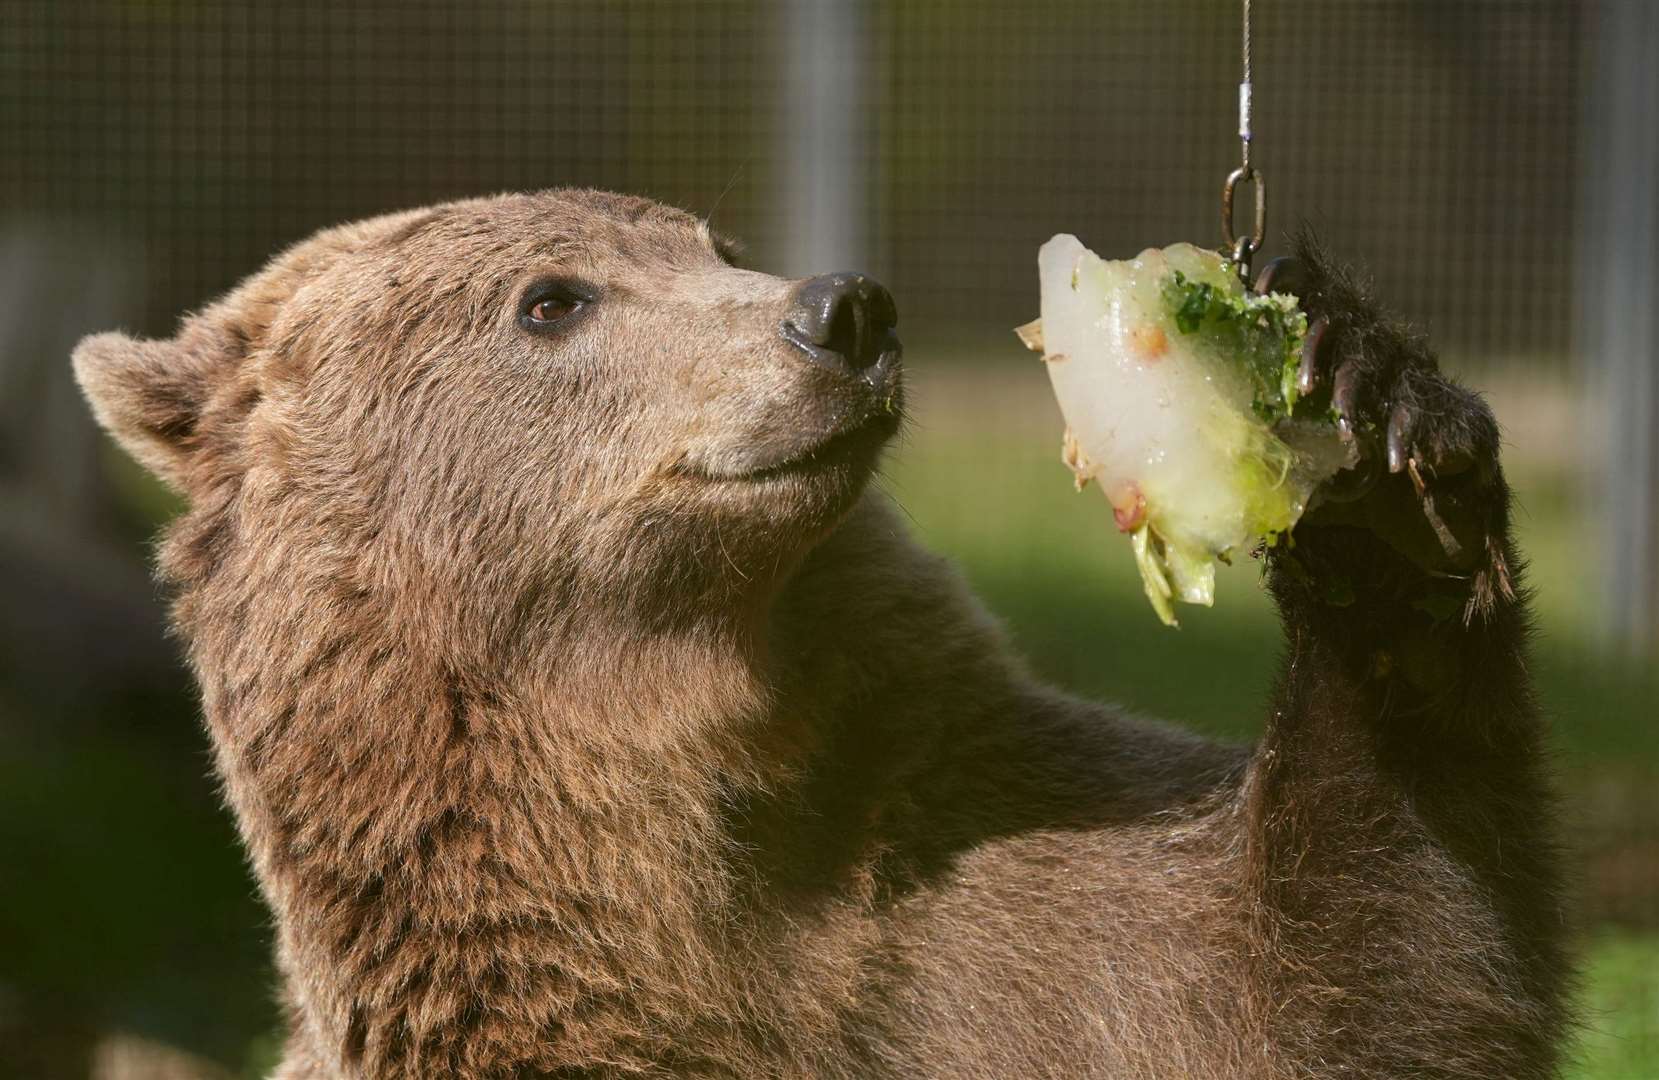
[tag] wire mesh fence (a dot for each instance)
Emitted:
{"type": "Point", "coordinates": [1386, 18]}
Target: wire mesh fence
{"type": "Point", "coordinates": [1430, 140]}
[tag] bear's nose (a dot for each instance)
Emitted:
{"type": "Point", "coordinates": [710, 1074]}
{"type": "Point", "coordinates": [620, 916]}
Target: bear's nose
{"type": "Point", "coordinates": [842, 320]}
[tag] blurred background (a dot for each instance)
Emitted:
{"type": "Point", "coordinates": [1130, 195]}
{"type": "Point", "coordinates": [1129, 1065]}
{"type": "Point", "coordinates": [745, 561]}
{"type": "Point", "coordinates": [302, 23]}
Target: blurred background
{"type": "Point", "coordinates": [1492, 163]}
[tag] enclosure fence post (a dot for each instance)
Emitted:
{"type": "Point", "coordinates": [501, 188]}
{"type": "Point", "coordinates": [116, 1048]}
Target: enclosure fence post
{"type": "Point", "coordinates": [1618, 306]}
{"type": "Point", "coordinates": [823, 131]}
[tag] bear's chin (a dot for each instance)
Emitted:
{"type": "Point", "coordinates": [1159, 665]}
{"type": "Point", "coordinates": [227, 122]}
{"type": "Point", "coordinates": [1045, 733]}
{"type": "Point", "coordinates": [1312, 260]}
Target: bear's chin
{"type": "Point", "coordinates": [749, 530]}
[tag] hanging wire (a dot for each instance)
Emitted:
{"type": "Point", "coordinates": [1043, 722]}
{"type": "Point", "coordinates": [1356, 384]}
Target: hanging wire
{"type": "Point", "coordinates": [1244, 93]}
{"type": "Point", "coordinates": [1241, 248]}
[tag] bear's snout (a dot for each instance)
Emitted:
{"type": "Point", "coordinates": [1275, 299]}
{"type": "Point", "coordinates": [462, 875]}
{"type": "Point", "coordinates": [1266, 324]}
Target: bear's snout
{"type": "Point", "coordinates": [844, 322]}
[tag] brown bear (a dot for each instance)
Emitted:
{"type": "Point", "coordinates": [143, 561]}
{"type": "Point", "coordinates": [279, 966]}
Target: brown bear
{"type": "Point", "coordinates": [585, 715]}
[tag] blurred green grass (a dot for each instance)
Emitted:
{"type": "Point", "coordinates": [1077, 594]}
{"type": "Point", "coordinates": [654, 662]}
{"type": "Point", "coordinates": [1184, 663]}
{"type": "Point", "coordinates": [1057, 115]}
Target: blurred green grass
{"type": "Point", "coordinates": [1620, 1009]}
{"type": "Point", "coordinates": [979, 475]}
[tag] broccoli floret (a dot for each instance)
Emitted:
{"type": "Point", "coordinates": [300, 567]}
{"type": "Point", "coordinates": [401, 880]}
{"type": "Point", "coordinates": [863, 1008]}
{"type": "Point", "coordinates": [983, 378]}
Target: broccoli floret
{"type": "Point", "coordinates": [1261, 334]}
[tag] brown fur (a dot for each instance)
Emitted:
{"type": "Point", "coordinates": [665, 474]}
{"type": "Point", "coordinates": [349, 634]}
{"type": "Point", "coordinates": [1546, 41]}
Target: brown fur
{"type": "Point", "coordinates": [560, 753]}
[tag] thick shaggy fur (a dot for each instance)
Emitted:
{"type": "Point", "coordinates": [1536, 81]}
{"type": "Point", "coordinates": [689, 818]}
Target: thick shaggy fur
{"type": "Point", "coordinates": [569, 740]}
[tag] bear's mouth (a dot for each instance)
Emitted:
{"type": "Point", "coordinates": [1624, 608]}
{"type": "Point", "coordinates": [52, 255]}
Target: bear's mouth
{"type": "Point", "coordinates": [853, 446]}
{"type": "Point", "coordinates": [858, 444]}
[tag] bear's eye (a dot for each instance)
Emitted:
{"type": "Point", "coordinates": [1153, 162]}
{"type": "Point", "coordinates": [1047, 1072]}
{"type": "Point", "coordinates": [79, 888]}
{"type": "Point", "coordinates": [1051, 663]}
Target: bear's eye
{"type": "Point", "coordinates": [548, 303]}
{"type": "Point", "coordinates": [552, 310]}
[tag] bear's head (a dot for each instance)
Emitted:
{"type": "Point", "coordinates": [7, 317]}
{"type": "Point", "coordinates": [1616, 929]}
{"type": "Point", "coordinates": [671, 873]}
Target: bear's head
{"type": "Point", "coordinates": [508, 401]}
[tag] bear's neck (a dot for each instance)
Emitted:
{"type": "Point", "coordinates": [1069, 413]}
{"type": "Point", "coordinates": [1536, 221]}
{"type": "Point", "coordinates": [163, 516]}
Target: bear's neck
{"type": "Point", "coordinates": [468, 864]}
{"type": "Point", "coordinates": [556, 852]}
{"type": "Point", "coordinates": [432, 842]}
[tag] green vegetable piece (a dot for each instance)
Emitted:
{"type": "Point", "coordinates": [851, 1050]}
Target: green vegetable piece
{"type": "Point", "coordinates": [1262, 335]}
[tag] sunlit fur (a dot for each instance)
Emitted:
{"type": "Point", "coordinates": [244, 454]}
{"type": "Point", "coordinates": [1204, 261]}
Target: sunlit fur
{"type": "Point", "coordinates": [555, 756]}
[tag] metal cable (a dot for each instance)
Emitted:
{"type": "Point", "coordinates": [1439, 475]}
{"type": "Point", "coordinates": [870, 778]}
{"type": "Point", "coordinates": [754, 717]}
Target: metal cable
{"type": "Point", "coordinates": [1241, 248]}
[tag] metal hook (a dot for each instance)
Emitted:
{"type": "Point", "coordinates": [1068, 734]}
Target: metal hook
{"type": "Point", "coordinates": [1241, 248]}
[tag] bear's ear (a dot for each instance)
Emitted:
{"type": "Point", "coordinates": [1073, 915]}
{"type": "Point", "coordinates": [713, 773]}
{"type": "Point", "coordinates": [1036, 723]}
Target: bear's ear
{"type": "Point", "coordinates": [150, 394]}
